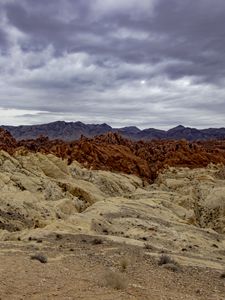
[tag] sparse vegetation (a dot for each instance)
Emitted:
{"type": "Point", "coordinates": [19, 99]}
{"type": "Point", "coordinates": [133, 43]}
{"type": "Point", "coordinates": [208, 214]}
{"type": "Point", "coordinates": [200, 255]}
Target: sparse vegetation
{"type": "Point", "coordinates": [172, 267]}
{"type": "Point", "coordinates": [148, 246]}
{"type": "Point", "coordinates": [58, 236]}
{"type": "Point", "coordinates": [124, 262]}
{"type": "Point", "coordinates": [222, 275]}
{"type": "Point", "coordinates": [38, 240]}
{"type": "Point", "coordinates": [168, 263]}
{"type": "Point", "coordinates": [165, 259]}
{"type": "Point", "coordinates": [40, 257]}
{"type": "Point", "coordinates": [115, 280]}
{"type": "Point", "coordinates": [97, 241]}
{"type": "Point", "coordinates": [221, 174]}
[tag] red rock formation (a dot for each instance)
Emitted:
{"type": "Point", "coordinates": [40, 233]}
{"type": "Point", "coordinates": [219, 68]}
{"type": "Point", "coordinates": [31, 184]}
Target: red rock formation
{"type": "Point", "coordinates": [7, 142]}
{"type": "Point", "coordinates": [114, 153]}
{"type": "Point", "coordinates": [108, 156]}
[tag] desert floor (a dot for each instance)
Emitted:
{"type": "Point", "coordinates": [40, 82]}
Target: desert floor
{"type": "Point", "coordinates": [84, 267]}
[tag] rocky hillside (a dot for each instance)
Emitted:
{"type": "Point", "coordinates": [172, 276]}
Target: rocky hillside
{"type": "Point", "coordinates": [183, 212]}
{"type": "Point", "coordinates": [69, 131]}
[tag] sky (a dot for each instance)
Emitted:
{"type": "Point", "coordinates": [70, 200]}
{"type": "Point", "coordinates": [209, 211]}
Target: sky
{"type": "Point", "coordinates": [146, 63]}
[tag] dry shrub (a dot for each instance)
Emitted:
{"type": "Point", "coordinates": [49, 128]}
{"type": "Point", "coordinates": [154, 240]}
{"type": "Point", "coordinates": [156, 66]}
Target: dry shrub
{"type": "Point", "coordinates": [172, 267]}
{"type": "Point", "coordinates": [220, 174]}
{"type": "Point", "coordinates": [97, 241]}
{"type": "Point", "coordinates": [124, 262]}
{"type": "Point", "coordinates": [115, 280]}
{"type": "Point", "coordinates": [222, 275]}
{"type": "Point", "coordinates": [40, 257]}
{"type": "Point", "coordinates": [165, 259]}
{"type": "Point", "coordinates": [148, 246]}
{"type": "Point", "coordinates": [169, 263]}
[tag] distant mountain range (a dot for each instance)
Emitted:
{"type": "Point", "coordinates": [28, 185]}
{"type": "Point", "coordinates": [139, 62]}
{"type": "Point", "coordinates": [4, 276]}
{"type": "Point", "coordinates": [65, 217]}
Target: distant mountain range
{"type": "Point", "coordinates": [69, 131]}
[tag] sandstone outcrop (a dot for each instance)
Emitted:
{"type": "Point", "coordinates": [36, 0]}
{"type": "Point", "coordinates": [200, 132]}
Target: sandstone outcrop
{"type": "Point", "coordinates": [183, 209]}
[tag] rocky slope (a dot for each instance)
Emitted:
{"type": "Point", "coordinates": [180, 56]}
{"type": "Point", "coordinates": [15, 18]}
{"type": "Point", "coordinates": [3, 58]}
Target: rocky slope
{"type": "Point", "coordinates": [182, 213]}
{"type": "Point", "coordinates": [70, 131]}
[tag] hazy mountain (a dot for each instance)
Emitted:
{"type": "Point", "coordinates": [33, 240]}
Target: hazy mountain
{"type": "Point", "coordinates": [58, 130]}
{"type": "Point", "coordinates": [69, 131]}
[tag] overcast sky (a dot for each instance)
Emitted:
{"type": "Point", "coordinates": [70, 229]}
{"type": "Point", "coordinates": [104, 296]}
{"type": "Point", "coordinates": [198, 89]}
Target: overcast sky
{"type": "Point", "coordinates": [149, 63]}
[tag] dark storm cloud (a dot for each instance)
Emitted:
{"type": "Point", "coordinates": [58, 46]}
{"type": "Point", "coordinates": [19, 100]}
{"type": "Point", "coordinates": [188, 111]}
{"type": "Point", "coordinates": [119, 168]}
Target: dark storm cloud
{"type": "Point", "coordinates": [187, 31]}
{"type": "Point", "coordinates": [45, 23]}
{"type": "Point", "coordinates": [98, 58]}
{"type": "Point", "coordinates": [195, 34]}
{"type": "Point", "coordinates": [3, 41]}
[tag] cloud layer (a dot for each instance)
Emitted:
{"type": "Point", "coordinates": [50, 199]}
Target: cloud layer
{"type": "Point", "coordinates": [150, 63]}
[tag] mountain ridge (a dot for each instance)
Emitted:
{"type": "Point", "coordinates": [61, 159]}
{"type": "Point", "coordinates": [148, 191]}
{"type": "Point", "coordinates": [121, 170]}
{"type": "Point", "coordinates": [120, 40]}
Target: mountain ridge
{"type": "Point", "coordinates": [69, 131]}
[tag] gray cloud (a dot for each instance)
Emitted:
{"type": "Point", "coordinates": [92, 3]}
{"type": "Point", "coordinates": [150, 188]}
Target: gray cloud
{"type": "Point", "coordinates": [147, 63]}
{"type": "Point", "coordinates": [3, 41]}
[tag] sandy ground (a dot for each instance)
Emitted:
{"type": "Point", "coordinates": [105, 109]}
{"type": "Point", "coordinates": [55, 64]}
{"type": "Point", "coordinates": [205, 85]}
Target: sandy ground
{"type": "Point", "coordinates": [78, 266]}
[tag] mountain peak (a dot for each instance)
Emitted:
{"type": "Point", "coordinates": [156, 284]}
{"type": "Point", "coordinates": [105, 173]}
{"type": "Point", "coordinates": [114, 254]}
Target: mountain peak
{"type": "Point", "coordinates": [178, 127]}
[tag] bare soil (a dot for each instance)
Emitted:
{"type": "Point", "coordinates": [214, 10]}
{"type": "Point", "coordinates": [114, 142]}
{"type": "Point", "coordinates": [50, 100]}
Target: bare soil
{"type": "Point", "coordinates": [78, 266]}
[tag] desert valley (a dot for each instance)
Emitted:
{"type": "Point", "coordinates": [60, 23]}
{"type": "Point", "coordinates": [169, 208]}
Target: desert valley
{"type": "Point", "coordinates": [112, 150]}
{"type": "Point", "coordinates": [107, 217]}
